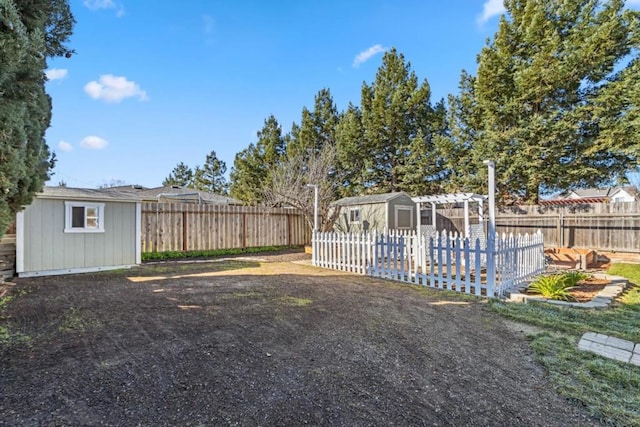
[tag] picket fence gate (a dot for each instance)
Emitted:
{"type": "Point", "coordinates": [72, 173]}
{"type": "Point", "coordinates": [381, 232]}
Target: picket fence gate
{"type": "Point", "coordinates": [440, 260]}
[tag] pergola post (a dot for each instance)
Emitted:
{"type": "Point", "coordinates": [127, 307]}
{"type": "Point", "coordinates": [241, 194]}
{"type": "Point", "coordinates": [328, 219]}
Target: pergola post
{"type": "Point", "coordinates": [466, 218]}
{"type": "Point", "coordinates": [433, 215]}
{"type": "Point", "coordinates": [491, 238]}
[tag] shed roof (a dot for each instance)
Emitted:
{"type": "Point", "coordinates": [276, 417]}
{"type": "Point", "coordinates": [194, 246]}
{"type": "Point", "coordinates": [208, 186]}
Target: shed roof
{"type": "Point", "coordinates": [369, 199]}
{"type": "Point", "coordinates": [87, 194]}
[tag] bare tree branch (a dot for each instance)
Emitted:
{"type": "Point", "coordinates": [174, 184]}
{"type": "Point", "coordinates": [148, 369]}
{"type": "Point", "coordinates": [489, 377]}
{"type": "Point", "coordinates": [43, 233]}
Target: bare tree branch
{"type": "Point", "coordinates": [289, 185]}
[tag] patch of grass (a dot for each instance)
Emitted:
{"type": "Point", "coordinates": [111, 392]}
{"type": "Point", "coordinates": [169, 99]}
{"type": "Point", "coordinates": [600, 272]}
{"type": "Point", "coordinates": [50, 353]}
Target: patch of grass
{"type": "Point", "coordinates": [609, 389]}
{"type": "Point", "coordinates": [174, 269]}
{"type": "Point", "coordinates": [294, 301]}
{"type": "Point", "coordinates": [4, 301]}
{"type": "Point", "coordinates": [74, 321]}
{"type": "Point", "coordinates": [247, 294]}
{"type": "Point", "coordinates": [7, 336]}
{"type": "Point", "coordinates": [155, 256]}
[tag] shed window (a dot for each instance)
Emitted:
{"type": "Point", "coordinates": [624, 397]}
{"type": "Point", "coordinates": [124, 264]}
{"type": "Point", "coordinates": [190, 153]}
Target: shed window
{"type": "Point", "coordinates": [354, 215]}
{"type": "Point", "coordinates": [81, 217]}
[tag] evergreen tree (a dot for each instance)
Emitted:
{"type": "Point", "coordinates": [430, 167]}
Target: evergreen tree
{"type": "Point", "coordinates": [317, 128]}
{"type": "Point", "coordinates": [181, 175]}
{"type": "Point", "coordinates": [252, 167]}
{"type": "Point", "coordinates": [555, 99]}
{"type": "Point", "coordinates": [350, 158]}
{"type": "Point", "coordinates": [31, 31]}
{"type": "Point", "coordinates": [210, 177]}
{"type": "Point", "coordinates": [396, 114]}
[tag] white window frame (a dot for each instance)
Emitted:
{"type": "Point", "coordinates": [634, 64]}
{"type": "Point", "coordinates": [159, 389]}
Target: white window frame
{"type": "Point", "coordinates": [357, 214]}
{"type": "Point", "coordinates": [404, 208]}
{"type": "Point", "coordinates": [68, 217]}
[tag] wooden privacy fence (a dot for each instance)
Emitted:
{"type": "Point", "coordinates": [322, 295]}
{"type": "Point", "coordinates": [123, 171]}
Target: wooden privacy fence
{"type": "Point", "coordinates": [442, 260]}
{"type": "Point", "coordinates": [599, 226]}
{"type": "Point", "coordinates": [191, 227]}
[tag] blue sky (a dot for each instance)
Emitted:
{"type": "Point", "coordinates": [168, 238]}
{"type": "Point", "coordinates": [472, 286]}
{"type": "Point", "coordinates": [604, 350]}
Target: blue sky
{"type": "Point", "coordinates": [154, 83]}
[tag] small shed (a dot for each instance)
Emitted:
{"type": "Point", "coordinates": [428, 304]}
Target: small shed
{"type": "Point", "coordinates": [77, 230]}
{"type": "Point", "coordinates": [376, 212]}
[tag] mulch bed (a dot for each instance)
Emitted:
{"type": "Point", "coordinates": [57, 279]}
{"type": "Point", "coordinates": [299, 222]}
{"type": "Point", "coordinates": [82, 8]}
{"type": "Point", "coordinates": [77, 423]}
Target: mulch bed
{"type": "Point", "coordinates": [587, 289]}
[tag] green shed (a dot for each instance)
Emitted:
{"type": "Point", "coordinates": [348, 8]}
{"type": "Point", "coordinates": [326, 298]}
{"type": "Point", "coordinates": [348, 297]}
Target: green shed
{"type": "Point", "coordinates": [78, 230]}
{"type": "Point", "coordinates": [375, 212]}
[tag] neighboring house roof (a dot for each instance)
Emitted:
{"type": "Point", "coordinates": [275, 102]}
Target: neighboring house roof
{"type": "Point", "coordinates": [176, 193]}
{"type": "Point", "coordinates": [574, 201]}
{"type": "Point", "coordinates": [596, 195]}
{"type": "Point", "coordinates": [370, 199]}
{"type": "Point", "coordinates": [69, 193]}
{"type": "Point", "coordinates": [600, 192]}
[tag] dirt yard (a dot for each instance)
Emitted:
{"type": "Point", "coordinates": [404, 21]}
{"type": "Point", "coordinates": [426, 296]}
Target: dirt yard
{"type": "Point", "coordinates": [244, 342]}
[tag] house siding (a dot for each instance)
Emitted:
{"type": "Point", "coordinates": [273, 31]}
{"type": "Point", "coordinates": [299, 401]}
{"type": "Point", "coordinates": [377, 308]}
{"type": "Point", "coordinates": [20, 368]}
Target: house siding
{"type": "Point", "coordinates": [48, 248]}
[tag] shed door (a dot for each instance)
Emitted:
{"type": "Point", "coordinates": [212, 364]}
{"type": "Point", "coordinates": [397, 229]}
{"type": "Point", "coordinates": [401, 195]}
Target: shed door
{"type": "Point", "coordinates": [404, 217]}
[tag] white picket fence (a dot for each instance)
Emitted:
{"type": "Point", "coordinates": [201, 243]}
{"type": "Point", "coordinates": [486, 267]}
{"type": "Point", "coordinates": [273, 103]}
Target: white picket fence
{"type": "Point", "coordinates": [443, 261]}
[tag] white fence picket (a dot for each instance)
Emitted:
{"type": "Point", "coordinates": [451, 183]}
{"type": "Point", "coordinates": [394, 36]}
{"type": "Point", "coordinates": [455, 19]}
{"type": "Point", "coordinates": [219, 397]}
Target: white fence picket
{"type": "Point", "coordinates": [439, 260]}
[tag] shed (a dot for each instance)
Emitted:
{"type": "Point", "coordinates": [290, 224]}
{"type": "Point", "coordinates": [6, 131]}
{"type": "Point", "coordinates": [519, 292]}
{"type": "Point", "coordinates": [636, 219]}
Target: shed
{"type": "Point", "coordinates": [376, 212]}
{"type": "Point", "coordinates": [77, 230]}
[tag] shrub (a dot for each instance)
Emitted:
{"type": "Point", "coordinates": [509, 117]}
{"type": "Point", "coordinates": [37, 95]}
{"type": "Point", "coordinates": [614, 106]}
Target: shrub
{"type": "Point", "coordinates": [554, 287]}
{"type": "Point", "coordinates": [572, 278]}
{"type": "Point", "coordinates": [156, 256]}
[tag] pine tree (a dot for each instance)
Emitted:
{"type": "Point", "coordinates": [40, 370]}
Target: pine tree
{"type": "Point", "coordinates": [555, 99]}
{"type": "Point", "coordinates": [317, 128]}
{"type": "Point", "coordinates": [210, 177]}
{"type": "Point", "coordinates": [396, 114]}
{"type": "Point", "coordinates": [350, 157]}
{"type": "Point", "coordinates": [252, 167]}
{"type": "Point", "coordinates": [181, 175]}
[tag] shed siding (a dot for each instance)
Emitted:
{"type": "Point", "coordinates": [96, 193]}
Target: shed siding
{"type": "Point", "coordinates": [47, 247]}
{"type": "Point", "coordinates": [372, 218]}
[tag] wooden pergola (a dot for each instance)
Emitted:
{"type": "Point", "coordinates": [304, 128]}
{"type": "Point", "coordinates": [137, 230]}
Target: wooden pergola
{"type": "Point", "coordinates": [442, 199]}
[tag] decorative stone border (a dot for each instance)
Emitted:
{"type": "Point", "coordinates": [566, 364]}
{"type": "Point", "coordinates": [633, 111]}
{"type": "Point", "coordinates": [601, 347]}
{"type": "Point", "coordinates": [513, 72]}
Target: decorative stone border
{"type": "Point", "coordinates": [611, 347]}
{"type": "Point", "coordinates": [601, 300]}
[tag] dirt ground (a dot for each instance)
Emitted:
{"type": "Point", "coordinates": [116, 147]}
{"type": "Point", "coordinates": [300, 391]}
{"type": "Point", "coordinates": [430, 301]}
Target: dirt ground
{"type": "Point", "coordinates": [247, 342]}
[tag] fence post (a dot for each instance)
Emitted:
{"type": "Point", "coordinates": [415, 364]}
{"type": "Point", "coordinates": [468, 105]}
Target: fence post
{"type": "Point", "coordinates": [184, 231]}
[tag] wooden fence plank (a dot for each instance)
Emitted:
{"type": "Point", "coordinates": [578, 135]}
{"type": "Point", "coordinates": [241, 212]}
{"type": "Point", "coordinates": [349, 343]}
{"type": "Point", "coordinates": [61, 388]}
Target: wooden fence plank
{"type": "Point", "coordinates": [181, 227]}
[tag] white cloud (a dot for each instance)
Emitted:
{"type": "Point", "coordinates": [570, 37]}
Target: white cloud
{"type": "Point", "coordinates": [105, 4]}
{"type": "Point", "coordinates": [112, 88]}
{"type": "Point", "coordinates": [65, 146]}
{"type": "Point", "coordinates": [367, 54]}
{"type": "Point", "coordinates": [99, 4]}
{"type": "Point", "coordinates": [56, 73]}
{"type": "Point", "coordinates": [93, 143]}
{"type": "Point", "coordinates": [491, 8]}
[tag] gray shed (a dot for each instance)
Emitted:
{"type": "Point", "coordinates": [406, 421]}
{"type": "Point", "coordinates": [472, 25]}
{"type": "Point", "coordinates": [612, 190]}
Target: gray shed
{"type": "Point", "coordinates": [77, 230]}
{"type": "Point", "coordinates": [376, 212]}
